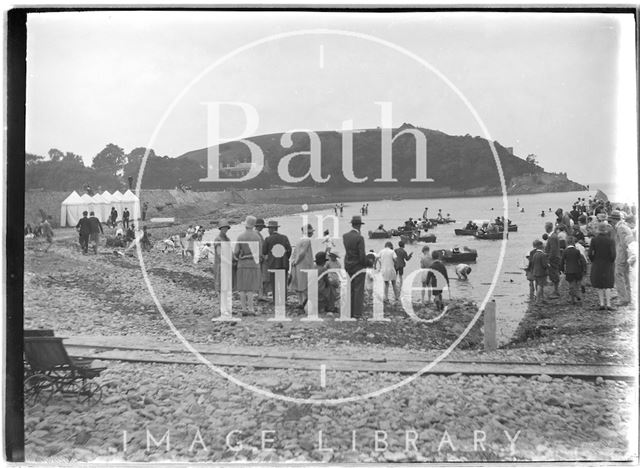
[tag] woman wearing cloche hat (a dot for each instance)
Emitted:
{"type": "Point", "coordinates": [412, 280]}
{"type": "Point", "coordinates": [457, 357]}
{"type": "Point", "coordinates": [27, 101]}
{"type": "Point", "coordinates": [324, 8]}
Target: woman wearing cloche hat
{"type": "Point", "coordinates": [302, 260]}
{"type": "Point", "coordinates": [249, 278]}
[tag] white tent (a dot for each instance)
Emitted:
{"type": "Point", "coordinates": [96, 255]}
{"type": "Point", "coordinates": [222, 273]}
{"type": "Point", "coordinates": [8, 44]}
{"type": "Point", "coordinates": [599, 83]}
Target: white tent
{"type": "Point", "coordinates": [116, 200]}
{"type": "Point", "coordinates": [100, 207]}
{"type": "Point", "coordinates": [130, 201]}
{"type": "Point", "coordinates": [71, 210]}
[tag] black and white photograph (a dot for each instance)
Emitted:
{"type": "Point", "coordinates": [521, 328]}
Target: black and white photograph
{"type": "Point", "coordinates": [335, 236]}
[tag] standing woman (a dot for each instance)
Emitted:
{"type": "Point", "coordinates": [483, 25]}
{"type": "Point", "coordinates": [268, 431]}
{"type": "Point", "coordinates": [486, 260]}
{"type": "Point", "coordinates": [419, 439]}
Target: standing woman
{"type": "Point", "coordinates": [302, 260]}
{"type": "Point", "coordinates": [602, 253]}
{"type": "Point", "coordinates": [249, 276]}
{"type": "Point", "coordinates": [224, 288]}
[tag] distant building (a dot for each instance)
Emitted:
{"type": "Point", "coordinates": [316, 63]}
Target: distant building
{"type": "Point", "coordinates": [235, 170]}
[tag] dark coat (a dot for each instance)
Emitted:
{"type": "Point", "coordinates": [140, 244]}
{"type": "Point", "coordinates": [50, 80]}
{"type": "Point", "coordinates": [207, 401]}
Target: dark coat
{"type": "Point", "coordinates": [602, 253]}
{"type": "Point", "coordinates": [95, 226]}
{"type": "Point", "coordinates": [538, 263]}
{"type": "Point", "coordinates": [552, 249]}
{"type": "Point", "coordinates": [355, 258]}
{"type": "Point", "coordinates": [84, 226]}
{"type": "Point", "coordinates": [276, 263]}
{"type": "Point", "coordinates": [432, 280]}
{"type": "Point", "coordinates": [573, 263]}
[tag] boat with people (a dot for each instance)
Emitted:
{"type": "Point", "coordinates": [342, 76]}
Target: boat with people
{"type": "Point", "coordinates": [472, 227]}
{"type": "Point", "coordinates": [496, 235]}
{"type": "Point", "coordinates": [428, 238]}
{"type": "Point", "coordinates": [457, 255]}
{"type": "Point", "coordinates": [380, 233]}
{"type": "Point", "coordinates": [441, 220]}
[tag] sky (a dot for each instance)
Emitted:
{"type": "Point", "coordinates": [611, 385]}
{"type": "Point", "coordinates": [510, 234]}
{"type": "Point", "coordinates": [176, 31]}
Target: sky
{"type": "Point", "coordinates": [561, 86]}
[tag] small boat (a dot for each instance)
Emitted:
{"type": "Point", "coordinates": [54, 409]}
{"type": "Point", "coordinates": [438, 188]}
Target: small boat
{"type": "Point", "coordinates": [441, 221]}
{"type": "Point", "coordinates": [379, 234]}
{"type": "Point", "coordinates": [512, 227]}
{"type": "Point", "coordinates": [427, 238]}
{"type": "Point", "coordinates": [465, 232]}
{"type": "Point", "coordinates": [402, 231]}
{"type": "Point", "coordinates": [490, 235]}
{"type": "Point", "coordinates": [458, 256]}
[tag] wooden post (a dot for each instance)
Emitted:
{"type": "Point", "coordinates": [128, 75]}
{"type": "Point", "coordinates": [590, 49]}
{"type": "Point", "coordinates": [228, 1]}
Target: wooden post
{"type": "Point", "coordinates": [490, 326]}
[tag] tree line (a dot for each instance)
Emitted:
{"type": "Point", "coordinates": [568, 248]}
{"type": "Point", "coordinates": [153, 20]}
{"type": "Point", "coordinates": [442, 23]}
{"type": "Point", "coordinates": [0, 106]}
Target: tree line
{"type": "Point", "coordinates": [110, 170]}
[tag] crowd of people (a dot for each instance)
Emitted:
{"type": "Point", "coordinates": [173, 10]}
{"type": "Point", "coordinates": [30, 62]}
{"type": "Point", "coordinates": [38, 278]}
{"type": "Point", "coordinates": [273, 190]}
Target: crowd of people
{"type": "Point", "coordinates": [594, 240]}
{"type": "Point", "coordinates": [254, 273]}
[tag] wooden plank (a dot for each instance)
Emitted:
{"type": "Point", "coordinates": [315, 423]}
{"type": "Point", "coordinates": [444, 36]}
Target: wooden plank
{"type": "Point", "coordinates": [400, 367]}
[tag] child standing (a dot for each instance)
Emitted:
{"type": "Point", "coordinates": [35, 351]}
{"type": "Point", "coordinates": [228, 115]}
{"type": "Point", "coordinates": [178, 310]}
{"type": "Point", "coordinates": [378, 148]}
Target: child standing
{"type": "Point", "coordinates": [539, 265]}
{"type": "Point", "coordinates": [574, 267]}
{"type": "Point", "coordinates": [425, 263]}
{"type": "Point", "coordinates": [401, 261]}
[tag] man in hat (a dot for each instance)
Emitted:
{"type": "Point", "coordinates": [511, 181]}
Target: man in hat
{"type": "Point", "coordinates": [552, 249]}
{"type": "Point", "coordinates": [626, 247]}
{"type": "Point", "coordinates": [355, 263]}
{"type": "Point", "coordinates": [125, 218]}
{"type": "Point", "coordinates": [84, 229]}
{"type": "Point", "coordinates": [96, 229]}
{"type": "Point", "coordinates": [262, 294]}
{"type": "Point", "coordinates": [276, 251]}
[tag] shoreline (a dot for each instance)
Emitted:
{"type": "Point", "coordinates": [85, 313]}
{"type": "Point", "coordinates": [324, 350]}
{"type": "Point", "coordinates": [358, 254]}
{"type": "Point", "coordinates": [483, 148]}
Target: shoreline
{"type": "Point", "coordinates": [167, 203]}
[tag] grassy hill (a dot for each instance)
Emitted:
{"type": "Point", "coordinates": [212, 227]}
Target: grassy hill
{"type": "Point", "coordinates": [457, 162]}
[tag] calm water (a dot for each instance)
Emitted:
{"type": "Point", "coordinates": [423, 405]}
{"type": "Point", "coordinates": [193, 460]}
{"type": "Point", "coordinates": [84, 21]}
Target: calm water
{"type": "Point", "coordinates": [512, 288]}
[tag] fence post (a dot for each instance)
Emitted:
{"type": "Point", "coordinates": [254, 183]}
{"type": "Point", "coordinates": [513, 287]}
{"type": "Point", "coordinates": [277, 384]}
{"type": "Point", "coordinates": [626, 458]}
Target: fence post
{"type": "Point", "coordinates": [490, 326]}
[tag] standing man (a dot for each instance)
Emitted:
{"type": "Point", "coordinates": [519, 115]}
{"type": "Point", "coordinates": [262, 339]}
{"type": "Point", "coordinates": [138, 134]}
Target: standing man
{"type": "Point", "coordinates": [625, 256]}
{"type": "Point", "coordinates": [355, 263]}
{"type": "Point", "coordinates": [84, 229]}
{"type": "Point", "coordinates": [264, 284]}
{"type": "Point", "coordinates": [552, 249]}
{"type": "Point", "coordinates": [114, 216]}
{"type": "Point", "coordinates": [145, 207]}
{"type": "Point", "coordinates": [95, 227]}
{"type": "Point", "coordinates": [276, 251]}
{"type": "Point", "coordinates": [125, 218]}
{"type": "Point", "coordinates": [47, 232]}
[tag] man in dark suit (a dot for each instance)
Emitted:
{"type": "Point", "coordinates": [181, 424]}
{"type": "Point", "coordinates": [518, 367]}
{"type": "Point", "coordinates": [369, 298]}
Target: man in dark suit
{"type": "Point", "coordinates": [276, 250]}
{"type": "Point", "coordinates": [95, 227]}
{"type": "Point", "coordinates": [355, 260]}
{"type": "Point", "coordinates": [84, 229]}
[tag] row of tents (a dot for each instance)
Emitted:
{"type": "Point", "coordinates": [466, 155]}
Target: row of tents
{"type": "Point", "coordinates": [100, 203]}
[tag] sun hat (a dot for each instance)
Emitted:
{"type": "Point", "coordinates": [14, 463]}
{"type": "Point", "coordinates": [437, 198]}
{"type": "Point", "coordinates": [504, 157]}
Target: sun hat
{"type": "Point", "coordinates": [260, 222]}
{"type": "Point", "coordinates": [616, 215]}
{"type": "Point", "coordinates": [223, 223]}
{"type": "Point", "coordinates": [273, 224]}
{"type": "Point", "coordinates": [250, 221]}
{"type": "Point", "coordinates": [357, 220]}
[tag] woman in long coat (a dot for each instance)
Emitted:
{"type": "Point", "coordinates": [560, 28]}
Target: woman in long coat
{"type": "Point", "coordinates": [249, 276]}
{"type": "Point", "coordinates": [302, 260]}
{"type": "Point", "coordinates": [224, 288]}
{"type": "Point", "coordinates": [602, 253]}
